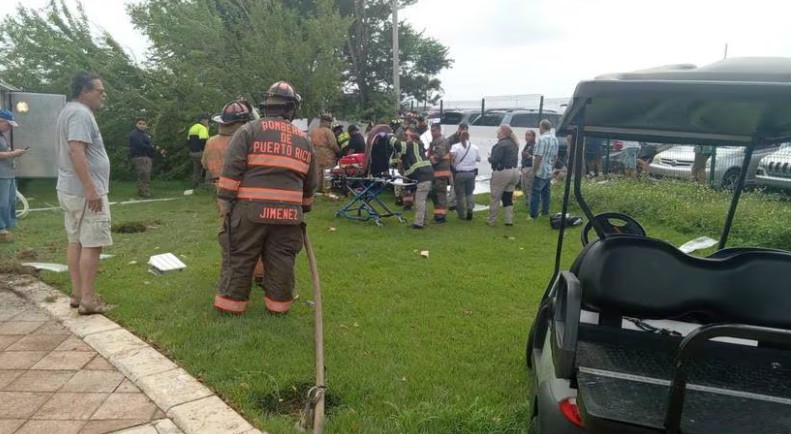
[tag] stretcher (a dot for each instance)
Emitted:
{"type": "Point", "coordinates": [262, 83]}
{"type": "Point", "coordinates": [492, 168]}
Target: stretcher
{"type": "Point", "coordinates": [365, 203]}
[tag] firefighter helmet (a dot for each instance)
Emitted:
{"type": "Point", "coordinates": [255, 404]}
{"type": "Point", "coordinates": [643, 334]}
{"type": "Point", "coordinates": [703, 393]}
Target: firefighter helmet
{"type": "Point", "coordinates": [236, 111]}
{"type": "Point", "coordinates": [282, 93]}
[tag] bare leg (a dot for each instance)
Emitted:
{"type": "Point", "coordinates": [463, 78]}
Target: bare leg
{"type": "Point", "coordinates": [89, 264]}
{"type": "Point", "coordinates": [73, 260]}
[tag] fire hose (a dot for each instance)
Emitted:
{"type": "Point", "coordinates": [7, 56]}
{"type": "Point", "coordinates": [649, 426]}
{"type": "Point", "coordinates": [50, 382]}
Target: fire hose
{"type": "Point", "coordinates": [313, 416]}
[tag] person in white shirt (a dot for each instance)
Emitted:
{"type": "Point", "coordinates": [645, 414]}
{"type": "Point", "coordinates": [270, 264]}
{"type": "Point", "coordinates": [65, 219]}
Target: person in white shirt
{"type": "Point", "coordinates": [465, 158]}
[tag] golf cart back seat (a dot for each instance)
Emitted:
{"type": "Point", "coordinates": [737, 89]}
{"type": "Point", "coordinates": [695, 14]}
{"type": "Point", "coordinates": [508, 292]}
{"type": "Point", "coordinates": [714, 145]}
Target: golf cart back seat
{"type": "Point", "coordinates": [651, 279]}
{"type": "Point", "coordinates": [625, 379]}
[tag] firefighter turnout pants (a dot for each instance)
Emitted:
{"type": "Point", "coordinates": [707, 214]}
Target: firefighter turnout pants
{"type": "Point", "coordinates": [439, 195]}
{"type": "Point", "coordinates": [243, 242]}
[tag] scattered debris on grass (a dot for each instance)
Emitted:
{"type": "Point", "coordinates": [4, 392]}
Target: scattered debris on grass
{"type": "Point", "coordinates": [424, 254]}
{"type": "Point", "coordinates": [333, 229]}
{"type": "Point", "coordinates": [27, 255]}
{"type": "Point", "coordinates": [165, 263]}
{"type": "Point", "coordinates": [48, 266]}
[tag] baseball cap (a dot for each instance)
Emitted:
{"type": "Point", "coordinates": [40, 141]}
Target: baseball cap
{"type": "Point", "coordinates": [8, 117]}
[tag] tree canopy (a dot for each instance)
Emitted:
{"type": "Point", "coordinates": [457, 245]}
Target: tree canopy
{"type": "Point", "coordinates": [204, 53]}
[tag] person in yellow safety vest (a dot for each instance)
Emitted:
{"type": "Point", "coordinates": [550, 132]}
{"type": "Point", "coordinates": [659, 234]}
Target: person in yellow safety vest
{"type": "Point", "coordinates": [417, 168]}
{"type": "Point", "coordinates": [439, 154]}
{"type": "Point", "coordinates": [196, 140]}
{"type": "Point", "coordinates": [268, 182]}
{"type": "Point", "coordinates": [342, 138]}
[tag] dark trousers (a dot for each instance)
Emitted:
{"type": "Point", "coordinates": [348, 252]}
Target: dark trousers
{"type": "Point", "coordinates": [541, 192]}
{"type": "Point", "coordinates": [243, 242]}
{"type": "Point", "coordinates": [143, 169]}
{"type": "Point", "coordinates": [198, 173]}
{"type": "Point", "coordinates": [464, 186]}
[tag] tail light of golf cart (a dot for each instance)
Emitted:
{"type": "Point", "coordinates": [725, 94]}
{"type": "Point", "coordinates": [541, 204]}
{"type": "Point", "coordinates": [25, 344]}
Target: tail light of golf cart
{"type": "Point", "coordinates": [617, 145]}
{"type": "Point", "coordinates": [571, 412]}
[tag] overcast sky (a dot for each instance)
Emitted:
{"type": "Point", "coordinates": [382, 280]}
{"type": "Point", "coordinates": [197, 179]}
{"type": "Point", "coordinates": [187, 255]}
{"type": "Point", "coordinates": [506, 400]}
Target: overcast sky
{"type": "Point", "coordinates": [506, 47]}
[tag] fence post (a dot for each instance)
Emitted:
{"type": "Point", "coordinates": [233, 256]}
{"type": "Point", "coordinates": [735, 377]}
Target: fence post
{"type": "Point", "coordinates": [441, 107]}
{"type": "Point", "coordinates": [607, 159]}
{"type": "Point", "coordinates": [541, 111]}
{"type": "Point", "coordinates": [483, 106]}
{"type": "Point", "coordinates": [712, 179]}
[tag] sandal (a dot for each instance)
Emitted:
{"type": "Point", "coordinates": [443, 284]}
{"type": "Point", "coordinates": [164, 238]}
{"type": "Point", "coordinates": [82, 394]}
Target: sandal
{"type": "Point", "coordinates": [74, 303]}
{"type": "Point", "coordinates": [98, 308]}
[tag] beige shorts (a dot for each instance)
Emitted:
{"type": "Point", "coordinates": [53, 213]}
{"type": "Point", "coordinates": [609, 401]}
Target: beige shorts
{"type": "Point", "coordinates": [91, 229]}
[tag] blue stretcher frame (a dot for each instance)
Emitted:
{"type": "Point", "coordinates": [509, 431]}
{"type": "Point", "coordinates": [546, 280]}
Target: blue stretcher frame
{"type": "Point", "coordinates": [365, 204]}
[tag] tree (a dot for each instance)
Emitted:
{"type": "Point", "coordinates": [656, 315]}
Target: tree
{"type": "Point", "coordinates": [41, 51]}
{"type": "Point", "coordinates": [368, 54]}
{"type": "Point", "coordinates": [206, 52]}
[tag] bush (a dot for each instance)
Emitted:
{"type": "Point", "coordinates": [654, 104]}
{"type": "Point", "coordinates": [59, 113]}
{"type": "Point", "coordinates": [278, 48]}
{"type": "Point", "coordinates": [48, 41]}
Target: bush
{"type": "Point", "coordinates": [761, 218]}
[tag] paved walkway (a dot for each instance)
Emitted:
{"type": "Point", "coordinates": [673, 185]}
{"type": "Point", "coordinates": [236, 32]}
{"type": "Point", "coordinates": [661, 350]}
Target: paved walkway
{"type": "Point", "coordinates": [51, 381]}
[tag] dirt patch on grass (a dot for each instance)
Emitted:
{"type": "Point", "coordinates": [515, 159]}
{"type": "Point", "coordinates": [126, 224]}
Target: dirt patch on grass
{"type": "Point", "coordinates": [27, 255]}
{"type": "Point", "coordinates": [129, 228]}
{"type": "Point", "coordinates": [291, 400]}
{"type": "Point", "coordinates": [12, 266]}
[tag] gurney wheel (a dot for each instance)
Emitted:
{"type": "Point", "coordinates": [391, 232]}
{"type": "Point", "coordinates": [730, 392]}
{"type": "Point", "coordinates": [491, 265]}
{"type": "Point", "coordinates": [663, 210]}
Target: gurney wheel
{"type": "Point", "coordinates": [401, 220]}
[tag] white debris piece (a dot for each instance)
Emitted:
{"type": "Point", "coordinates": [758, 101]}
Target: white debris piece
{"type": "Point", "coordinates": [189, 192]}
{"type": "Point", "coordinates": [57, 268]}
{"type": "Point", "coordinates": [165, 263]}
{"type": "Point", "coordinates": [698, 244]}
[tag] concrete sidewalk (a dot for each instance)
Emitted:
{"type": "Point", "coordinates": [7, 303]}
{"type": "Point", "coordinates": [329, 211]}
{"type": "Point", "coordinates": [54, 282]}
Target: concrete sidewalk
{"type": "Point", "coordinates": [67, 374]}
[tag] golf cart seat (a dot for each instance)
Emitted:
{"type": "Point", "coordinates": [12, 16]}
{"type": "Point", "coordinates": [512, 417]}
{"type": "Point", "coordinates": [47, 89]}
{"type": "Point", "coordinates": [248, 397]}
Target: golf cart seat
{"type": "Point", "coordinates": [747, 287]}
{"type": "Point", "coordinates": [624, 377]}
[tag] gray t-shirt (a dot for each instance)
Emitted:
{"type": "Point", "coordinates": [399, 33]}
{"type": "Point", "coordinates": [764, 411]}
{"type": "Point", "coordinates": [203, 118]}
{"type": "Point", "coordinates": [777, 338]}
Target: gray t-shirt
{"type": "Point", "coordinates": [6, 164]}
{"type": "Point", "coordinates": [77, 123]}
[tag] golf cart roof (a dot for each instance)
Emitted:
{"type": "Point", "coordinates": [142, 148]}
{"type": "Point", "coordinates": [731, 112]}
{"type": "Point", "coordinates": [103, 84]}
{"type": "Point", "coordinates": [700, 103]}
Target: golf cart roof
{"type": "Point", "coordinates": [735, 101]}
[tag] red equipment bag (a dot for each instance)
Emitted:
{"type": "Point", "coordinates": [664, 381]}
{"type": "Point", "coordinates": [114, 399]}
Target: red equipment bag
{"type": "Point", "coordinates": [352, 164]}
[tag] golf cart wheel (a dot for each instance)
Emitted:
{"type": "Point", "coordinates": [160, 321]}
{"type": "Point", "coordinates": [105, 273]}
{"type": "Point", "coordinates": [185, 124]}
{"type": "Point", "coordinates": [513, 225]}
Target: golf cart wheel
{"type": "Point", "coordinates": [730, 179]}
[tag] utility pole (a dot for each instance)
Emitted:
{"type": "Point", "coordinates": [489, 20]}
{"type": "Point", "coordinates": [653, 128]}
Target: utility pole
{"type": "Point", "coordinates": [726, 52]}
{"type": "Point", "coordinates": [396, 63]}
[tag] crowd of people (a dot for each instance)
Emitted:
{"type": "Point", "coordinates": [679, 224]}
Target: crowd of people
{"type": "Point", "coordinates": [434, 163]}
{"type": "Point", "coordinates": [265, 175]}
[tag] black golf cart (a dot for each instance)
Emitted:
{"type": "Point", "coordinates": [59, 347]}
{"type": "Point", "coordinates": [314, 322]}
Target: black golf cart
{"type": "Point", "coordinates": [639, 337]}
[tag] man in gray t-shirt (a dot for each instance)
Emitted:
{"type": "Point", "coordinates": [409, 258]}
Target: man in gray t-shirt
{"type": "Point", "coordinates": [83, 184]}
{"type": "Point", "coordinates": [76, 122]}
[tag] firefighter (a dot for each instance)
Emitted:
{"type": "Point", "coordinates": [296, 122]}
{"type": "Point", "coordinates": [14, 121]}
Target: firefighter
{"type": "Point", "coordinates": [416, 167]}
{"type": "Point", "coordinates": [326, 146]}
{"type": "Point", "coordinates": [235, 114]}
{"type": "Point", "coordinates": [342, 138]}
{"type": "Point", "coordinates": [439, 155]}
{"type": "Point", "coordinates": [268, 181]}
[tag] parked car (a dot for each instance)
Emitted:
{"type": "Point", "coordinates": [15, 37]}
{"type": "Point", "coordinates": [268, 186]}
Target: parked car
{"type": "Point", "coordinates": [774, 170]}
{"type": "Point", "coordinates": [517, 118]}
{"type": "Point", "coordinates": [619, 151]}
{"type": "Point", "coordinates": [455, 117]}
{"type": "Point", "coordinates": [676, 162]}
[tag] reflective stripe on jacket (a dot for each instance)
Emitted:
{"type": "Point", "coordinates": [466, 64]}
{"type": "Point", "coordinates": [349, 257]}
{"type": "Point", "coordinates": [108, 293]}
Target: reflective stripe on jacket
{"type": "Point", "coordinates": [271, 163]}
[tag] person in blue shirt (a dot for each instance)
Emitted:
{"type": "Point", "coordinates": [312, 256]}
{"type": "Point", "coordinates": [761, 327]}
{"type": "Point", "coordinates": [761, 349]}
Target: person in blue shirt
{"type": "Point", "coordinates": [7, 177]}
{"type": "Point", "coordinates": [543, 161]}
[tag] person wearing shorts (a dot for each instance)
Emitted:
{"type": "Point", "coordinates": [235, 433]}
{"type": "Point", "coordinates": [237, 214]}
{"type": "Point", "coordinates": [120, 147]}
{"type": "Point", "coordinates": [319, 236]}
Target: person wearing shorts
{"type": "Point", "coordinates": [83, 185]}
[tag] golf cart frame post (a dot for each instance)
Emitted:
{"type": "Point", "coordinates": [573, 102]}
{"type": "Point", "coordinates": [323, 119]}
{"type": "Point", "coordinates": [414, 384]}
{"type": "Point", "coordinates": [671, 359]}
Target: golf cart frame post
{"type": "Point", "coordinates": [745, 103]}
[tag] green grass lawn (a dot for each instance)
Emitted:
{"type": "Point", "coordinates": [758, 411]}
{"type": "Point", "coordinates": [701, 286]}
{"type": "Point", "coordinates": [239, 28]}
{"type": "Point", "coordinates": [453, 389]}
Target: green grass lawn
{"type": "Point", "coordinates": [413, 345]}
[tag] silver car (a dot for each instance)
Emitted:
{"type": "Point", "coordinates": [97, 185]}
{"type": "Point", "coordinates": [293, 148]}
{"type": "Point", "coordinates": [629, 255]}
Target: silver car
{"type": "Point", "coordinates": [676, 162]}
{"type": "Point", "coordinates": [774, 170]}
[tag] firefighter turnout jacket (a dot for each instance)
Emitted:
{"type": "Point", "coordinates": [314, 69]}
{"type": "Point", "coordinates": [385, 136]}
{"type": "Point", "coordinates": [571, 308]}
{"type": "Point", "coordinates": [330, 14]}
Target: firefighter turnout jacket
{"type": "Point", "coordinates": [439, 155]}
{"type": "Point", "coordinates": [272, 164]}
{"type": "Point", "coordinates": [413, 157]}
{"type": "Point", "coordinates": [214, 152]}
